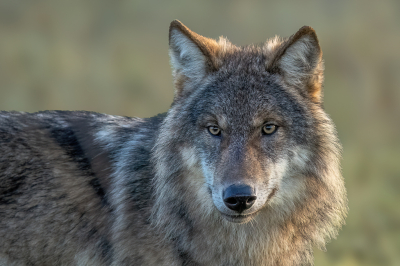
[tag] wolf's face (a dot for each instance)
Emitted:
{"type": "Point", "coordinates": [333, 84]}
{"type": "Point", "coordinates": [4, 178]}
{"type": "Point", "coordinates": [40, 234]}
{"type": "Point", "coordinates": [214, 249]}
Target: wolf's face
{"type": "Point", "coordinates": [247, 116]}
{"type": "Point", "coordinates": [246, 130]}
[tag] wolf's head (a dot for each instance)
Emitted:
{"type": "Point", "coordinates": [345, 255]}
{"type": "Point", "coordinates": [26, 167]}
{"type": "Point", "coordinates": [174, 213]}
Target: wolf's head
{"type": "Point", "coordinates": [246, 133]}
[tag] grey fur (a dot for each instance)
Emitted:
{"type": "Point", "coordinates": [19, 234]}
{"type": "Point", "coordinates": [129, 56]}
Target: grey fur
{"type": "Point", "coordinates": [81, 188]}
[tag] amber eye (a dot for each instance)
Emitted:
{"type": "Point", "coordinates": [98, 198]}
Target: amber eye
{"type": "Point", "coordinates": [269, 129]}
{"type": "Point", "coordinates": [214, 130]}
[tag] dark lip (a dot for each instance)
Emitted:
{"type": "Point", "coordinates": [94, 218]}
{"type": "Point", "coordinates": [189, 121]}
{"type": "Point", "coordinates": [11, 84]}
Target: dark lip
{"type": "Point", "coordinates": [238, 218]}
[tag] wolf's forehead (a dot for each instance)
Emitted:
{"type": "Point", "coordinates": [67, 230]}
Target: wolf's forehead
{"type": "Point", "coordinates": [250, 98]}
{"type": "Point", "coordinates": [251, 92]}
{"type": "Point", "coordinates": [247, 59]}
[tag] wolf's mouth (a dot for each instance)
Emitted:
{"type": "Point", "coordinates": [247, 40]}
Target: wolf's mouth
{"type": "Point", "coordinates": [240, 218]}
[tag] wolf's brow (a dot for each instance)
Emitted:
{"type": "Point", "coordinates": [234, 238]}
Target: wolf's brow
{"type": "Point", "coordinates": [221, 120]}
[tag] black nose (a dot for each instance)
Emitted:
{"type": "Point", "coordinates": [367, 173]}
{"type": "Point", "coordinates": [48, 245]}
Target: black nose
{"type": "Point", "coordinates": [239, 197]}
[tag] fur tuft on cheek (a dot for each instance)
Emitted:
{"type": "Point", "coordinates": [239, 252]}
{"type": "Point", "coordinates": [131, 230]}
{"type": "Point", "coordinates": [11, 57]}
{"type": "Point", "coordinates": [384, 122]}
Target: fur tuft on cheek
{"type": "Point", "coordinates": [288, 186]}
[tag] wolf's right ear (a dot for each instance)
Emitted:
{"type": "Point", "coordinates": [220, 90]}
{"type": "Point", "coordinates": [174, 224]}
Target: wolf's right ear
{"type": "Point", "coordinates": [192, 55]}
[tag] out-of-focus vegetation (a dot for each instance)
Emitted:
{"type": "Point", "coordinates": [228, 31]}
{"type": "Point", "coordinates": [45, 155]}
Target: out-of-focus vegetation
{"type": "Point", "coordinates": [112, 57]}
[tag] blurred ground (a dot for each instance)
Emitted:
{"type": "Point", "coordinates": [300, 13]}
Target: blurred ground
{"type": "Point", "coordinates": [112, 57]}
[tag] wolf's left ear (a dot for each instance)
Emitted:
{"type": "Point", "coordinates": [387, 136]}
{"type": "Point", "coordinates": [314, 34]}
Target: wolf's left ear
{"type": "Point", "coordinates": [192, 55]}
{"type": "Point", "coordinates": [299, 61]}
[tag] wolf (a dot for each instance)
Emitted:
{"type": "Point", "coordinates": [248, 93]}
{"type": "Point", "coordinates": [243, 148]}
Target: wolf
{"type": "Point", "coordinates": [244, 169]}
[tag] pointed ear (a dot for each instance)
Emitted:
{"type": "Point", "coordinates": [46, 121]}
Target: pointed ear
{"type": "Point", "coordinates": [299, 61]}
{"type": "Point", "coordinates": [192, 55]}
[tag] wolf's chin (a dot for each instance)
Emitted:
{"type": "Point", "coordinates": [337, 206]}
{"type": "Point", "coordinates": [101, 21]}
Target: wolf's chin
{"type": "Point", "coordinates": [239, 219]}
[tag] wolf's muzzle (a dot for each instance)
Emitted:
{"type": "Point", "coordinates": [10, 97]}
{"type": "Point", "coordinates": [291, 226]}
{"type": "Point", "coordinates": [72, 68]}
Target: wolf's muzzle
{"type": "Point", "coordinates": [239, 197]}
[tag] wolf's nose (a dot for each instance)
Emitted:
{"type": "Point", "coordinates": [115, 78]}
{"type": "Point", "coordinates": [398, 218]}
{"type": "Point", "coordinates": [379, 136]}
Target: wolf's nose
{"type": "Point", "coordinates": [239, 197]}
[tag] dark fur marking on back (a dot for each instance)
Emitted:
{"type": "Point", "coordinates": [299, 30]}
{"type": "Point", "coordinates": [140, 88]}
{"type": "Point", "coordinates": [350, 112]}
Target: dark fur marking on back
{"type": "Point", "coordinates": [8, 196]}
{"type": "Point", "coordinates": [140, 191]}
{"type": "Point", "coordinates": [10, 186]}
{"type": "Point", "coordinates": [67, 139]}
{"type": "Point", "coordinates": [107, 250]}
{"type": "Point", "coordinates": [95, 183]}
{"type": "Point", "coordinates": [5, 137]}
{"type": "Point", "coordinates": [104, 245]}
{"type": "Point", "coordinates": [186, 259]}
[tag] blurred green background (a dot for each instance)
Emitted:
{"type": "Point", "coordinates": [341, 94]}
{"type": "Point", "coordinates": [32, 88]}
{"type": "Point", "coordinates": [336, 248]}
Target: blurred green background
{"type": "Point", "coordinates": [112, 57]}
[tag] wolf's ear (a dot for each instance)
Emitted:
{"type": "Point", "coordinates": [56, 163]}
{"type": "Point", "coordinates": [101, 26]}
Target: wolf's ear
{"type": "Point", "coordinates": [192, 55]}
{"type": "Point", "coordinates": [299, 61]}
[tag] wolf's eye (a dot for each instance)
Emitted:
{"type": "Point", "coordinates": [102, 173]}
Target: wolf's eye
{"type": "Point", "coordinates": [214, 130]}
{"type": "Point", "coordinates": [269, 129]}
